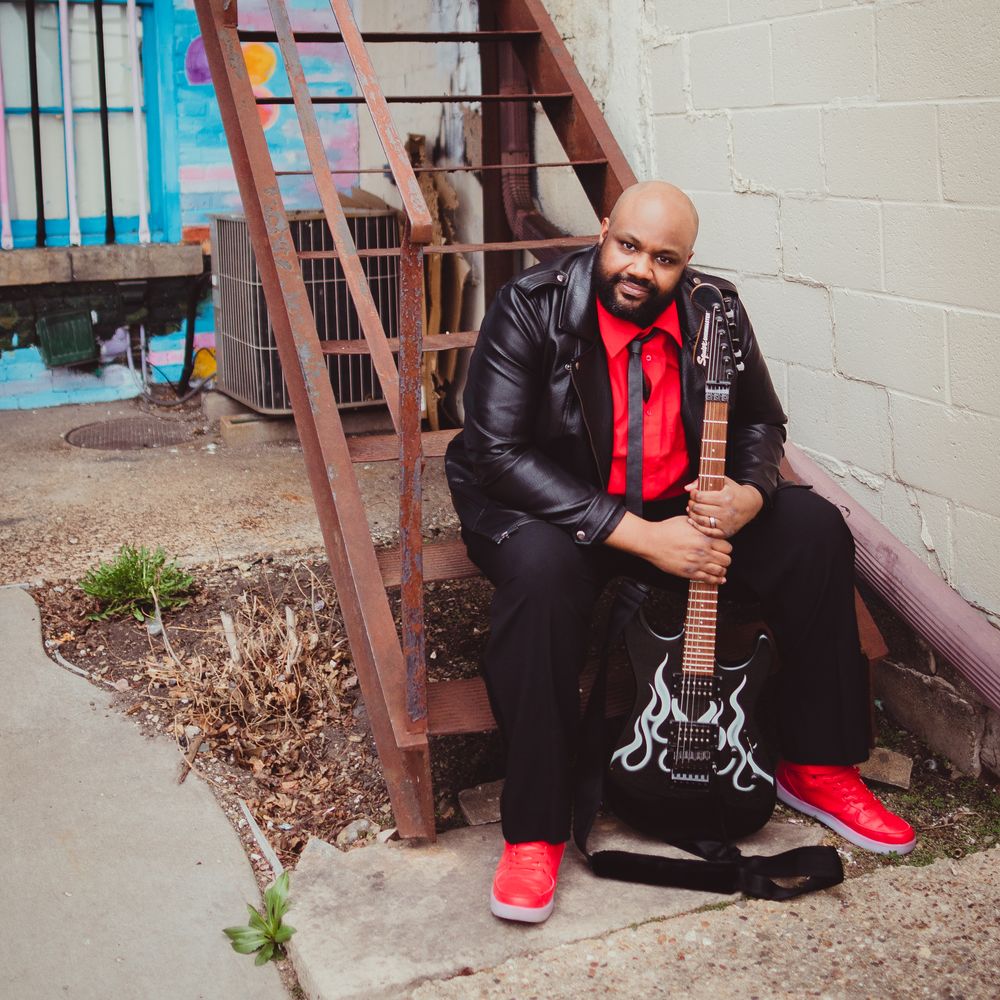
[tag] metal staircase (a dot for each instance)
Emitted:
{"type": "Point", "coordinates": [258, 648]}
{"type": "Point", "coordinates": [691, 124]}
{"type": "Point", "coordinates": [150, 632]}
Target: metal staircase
{"type": "Point", "coordinates": [523, 61]}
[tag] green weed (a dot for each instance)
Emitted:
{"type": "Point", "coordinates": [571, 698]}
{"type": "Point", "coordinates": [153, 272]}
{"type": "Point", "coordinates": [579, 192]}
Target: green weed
{"type": "Point", "coordinates": [138, 582]}
{"type": "Point", "coordinates": [266, 934]}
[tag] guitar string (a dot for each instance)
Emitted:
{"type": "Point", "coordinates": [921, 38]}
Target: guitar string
{"type": "Point", "coordinates": [692, 697]}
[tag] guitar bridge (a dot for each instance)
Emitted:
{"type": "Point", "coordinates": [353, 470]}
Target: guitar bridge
{"type": "Point", "coordinates": [694, 745]}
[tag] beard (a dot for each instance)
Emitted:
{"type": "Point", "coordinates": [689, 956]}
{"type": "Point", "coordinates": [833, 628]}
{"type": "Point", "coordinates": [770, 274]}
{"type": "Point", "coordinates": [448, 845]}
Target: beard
{"type": "Point", "coordinates": [643, 313]}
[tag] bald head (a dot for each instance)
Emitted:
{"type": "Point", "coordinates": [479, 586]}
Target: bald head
{"type": "Point", "coordinates": [646, 242]}
{"type": "Point", "coordinates": [662, 208]}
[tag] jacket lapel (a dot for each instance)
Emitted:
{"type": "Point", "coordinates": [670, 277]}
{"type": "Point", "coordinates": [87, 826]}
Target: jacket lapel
{"type": "Point", "coordinates": [593, 385]}
{"type": "Point", "coordinates": [578, 316]}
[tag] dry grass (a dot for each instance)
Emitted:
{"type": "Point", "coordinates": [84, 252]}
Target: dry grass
{"type": "Point", "coordinates": [269, 686]}
{"type": "Point", "coordinates": [272, 690]}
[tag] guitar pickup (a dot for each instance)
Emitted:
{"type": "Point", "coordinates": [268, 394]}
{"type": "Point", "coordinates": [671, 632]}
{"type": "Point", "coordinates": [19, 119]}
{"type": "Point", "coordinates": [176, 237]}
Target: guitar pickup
{"type": "Point", "coordinates": [686, 687]}
{"type": "Point", "coordinates": [694, 745]}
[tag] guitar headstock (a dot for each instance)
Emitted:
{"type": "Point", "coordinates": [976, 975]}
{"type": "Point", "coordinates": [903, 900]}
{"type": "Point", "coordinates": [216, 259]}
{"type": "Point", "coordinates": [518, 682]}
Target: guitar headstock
{"type": "Point", "coordinates": [715, 349]}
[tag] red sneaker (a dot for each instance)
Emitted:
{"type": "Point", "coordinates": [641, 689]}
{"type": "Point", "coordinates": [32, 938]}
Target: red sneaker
{"type": "Point", "coordinates": [525, 883]}
{"type": "Point", "coordinates": [839, 798]}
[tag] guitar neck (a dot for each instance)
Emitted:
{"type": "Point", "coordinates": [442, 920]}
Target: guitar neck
{"type": "Point", "coordinates": [703, 598]}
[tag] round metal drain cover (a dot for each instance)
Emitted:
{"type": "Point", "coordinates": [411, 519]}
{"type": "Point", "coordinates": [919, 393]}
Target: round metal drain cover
{"type": "Point", "coordinates": [129, 433]}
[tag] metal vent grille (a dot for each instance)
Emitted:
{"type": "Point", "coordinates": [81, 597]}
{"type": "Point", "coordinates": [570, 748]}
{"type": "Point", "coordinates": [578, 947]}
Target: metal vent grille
{"type": "Point", "coordinates": [248, 366]}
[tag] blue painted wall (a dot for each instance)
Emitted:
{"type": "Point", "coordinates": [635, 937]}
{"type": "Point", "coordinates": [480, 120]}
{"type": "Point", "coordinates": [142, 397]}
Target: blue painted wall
{"type": "Point", "coordinates": [191, 175]}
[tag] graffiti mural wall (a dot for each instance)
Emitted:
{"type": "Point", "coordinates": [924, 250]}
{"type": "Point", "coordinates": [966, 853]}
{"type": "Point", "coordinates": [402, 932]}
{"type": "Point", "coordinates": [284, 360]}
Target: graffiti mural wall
{"type": "Point", "coordinates": [207, 182]}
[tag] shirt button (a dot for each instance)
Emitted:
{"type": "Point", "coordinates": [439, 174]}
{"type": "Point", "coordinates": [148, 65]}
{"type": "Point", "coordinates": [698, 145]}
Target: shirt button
{"type": "Point", "coordinates": [581, 536]}
{"type": "Point", "coordinates": [649, 357]}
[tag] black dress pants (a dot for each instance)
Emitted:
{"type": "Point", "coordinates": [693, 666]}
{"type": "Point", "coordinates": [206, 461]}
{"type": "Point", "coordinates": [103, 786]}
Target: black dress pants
{"type": "Point", "coordinates": [796, 558]}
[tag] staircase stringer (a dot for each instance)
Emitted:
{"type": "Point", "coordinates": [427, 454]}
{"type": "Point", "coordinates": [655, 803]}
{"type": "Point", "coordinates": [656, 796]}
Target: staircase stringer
{"type": "Point", "coordinates": [578, 123]}
{"type": "Point", "coordinates": [378, 658]}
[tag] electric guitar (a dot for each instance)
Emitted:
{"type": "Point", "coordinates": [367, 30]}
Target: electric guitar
{"type": "Point", "coordinates": [689, 764]}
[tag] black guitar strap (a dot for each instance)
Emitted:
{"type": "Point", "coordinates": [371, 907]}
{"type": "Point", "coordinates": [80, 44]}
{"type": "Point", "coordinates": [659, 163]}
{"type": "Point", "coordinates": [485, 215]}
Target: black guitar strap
{"type": "Point", "coordinates": [723, 868]}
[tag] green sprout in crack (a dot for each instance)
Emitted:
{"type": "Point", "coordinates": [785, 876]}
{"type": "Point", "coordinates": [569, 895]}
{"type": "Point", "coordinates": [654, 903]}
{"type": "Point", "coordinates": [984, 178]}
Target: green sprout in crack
{"type": "Point", "coordinates": [266, 934]}
{"type": "Point", "coordinates": [138, 582]}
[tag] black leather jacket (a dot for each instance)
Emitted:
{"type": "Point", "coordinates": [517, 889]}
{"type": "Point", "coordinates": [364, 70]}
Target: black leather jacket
{"type": "Point", "coordinates": [538, 427]}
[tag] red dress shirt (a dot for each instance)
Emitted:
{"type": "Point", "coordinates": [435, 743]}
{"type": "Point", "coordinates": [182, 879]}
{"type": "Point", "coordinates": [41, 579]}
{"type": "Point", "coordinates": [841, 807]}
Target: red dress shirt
{"type": "Point", "coordinates": [665, 458]}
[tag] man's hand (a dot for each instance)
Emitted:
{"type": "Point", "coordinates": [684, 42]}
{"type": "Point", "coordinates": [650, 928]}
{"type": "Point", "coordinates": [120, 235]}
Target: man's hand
{"type": "Point", "coordinates": [721, 513]}
{"type": "Point", "coordinates": [673, 546]}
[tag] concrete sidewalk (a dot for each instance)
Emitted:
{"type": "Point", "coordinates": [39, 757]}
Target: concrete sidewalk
{"type": "Point", "coordinates": [391, 921]}
{"type": "Point", "coordinates": [118, 881]}
{"type": "Point", "coordinates": [899, 934]}
{"type": "Point", "coordinates": [380, 920]}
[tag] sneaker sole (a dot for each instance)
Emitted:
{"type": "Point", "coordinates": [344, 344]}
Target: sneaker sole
{"type": "Point", "coordinates": [524, 914]}
{"type": "Point", "coordinates": [858, 839]}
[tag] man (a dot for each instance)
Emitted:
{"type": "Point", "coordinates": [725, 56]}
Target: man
{"type": "Point", "coordinates": [538, 476]}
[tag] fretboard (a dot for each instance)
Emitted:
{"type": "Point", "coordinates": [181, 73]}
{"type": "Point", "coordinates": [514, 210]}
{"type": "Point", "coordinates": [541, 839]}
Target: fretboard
{"type": "Point", "coordinates": [703, 598]}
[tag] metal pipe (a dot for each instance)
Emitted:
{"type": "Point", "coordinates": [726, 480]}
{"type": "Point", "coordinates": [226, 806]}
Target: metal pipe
{"type": "Point", "coordinates": [940, 616]}
{"type": "Point", "coordinates": [6, 234]}
{"type": "Point", "coordinates": [195, 294]}
{"type": "Point", "coordinates": [68, 137]}
{"type": "Point", "coordinates": [523, 212]}
{"type": "Point", "coordinates": [140, 159]}
{"type": "Point", "coordinates": [102, 85]}
{"type": "Point", "coordinates": [36, 123]}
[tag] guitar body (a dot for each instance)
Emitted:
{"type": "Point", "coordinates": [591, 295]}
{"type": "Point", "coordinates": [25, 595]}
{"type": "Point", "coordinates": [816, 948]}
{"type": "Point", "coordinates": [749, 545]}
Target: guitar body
{"type": "Point", "coordinates": [689, 764]}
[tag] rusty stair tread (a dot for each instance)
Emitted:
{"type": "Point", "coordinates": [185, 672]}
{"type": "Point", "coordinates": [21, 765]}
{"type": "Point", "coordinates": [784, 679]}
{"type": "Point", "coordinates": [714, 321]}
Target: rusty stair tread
{"type": "Point", "coordinates": [461, 168]}
{"type": "Point", "coordinates": [446, 248]}
{"type": "Point", "coordinates": [432, 342]}
{"type": "Point", "coordinates": [382, 37]}
{"type": "Point", "coordinates": [462, 706]}
{"type": "Point", "coordinates": [442, 561]}
{"type": "Point", "coordinates": [545, 95]}
{"type": "Point", "coordinates": [385, 447]}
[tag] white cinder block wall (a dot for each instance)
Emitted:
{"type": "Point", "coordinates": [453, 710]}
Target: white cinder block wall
{"type": "Point", "coordinates": [845, 158]}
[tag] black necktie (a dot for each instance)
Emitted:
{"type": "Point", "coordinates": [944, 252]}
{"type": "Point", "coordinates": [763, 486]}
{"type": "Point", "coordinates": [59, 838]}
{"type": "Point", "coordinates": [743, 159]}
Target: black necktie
{"type": "Point", "coordinates": [636, 401]}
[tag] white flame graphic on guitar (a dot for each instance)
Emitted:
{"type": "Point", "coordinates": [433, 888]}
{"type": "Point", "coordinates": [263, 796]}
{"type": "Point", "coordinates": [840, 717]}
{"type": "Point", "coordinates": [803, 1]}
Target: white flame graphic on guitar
{"type": "Point", "coordinates": [663, 707]}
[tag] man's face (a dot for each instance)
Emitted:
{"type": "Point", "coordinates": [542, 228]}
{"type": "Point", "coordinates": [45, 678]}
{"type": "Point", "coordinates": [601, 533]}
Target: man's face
{"type": "Point", "coordinates": [639, 266]}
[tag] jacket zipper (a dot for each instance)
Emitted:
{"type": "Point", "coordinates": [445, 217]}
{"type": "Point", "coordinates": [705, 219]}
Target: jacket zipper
{"type": "Point", "coordinates": [510, 531]}
{"type": "Point", "coordinates": [583, 415]}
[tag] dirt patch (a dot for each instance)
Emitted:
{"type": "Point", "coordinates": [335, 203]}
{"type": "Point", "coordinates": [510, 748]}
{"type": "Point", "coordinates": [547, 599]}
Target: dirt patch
{"type": "Point", "coordinates": [285, 729]}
